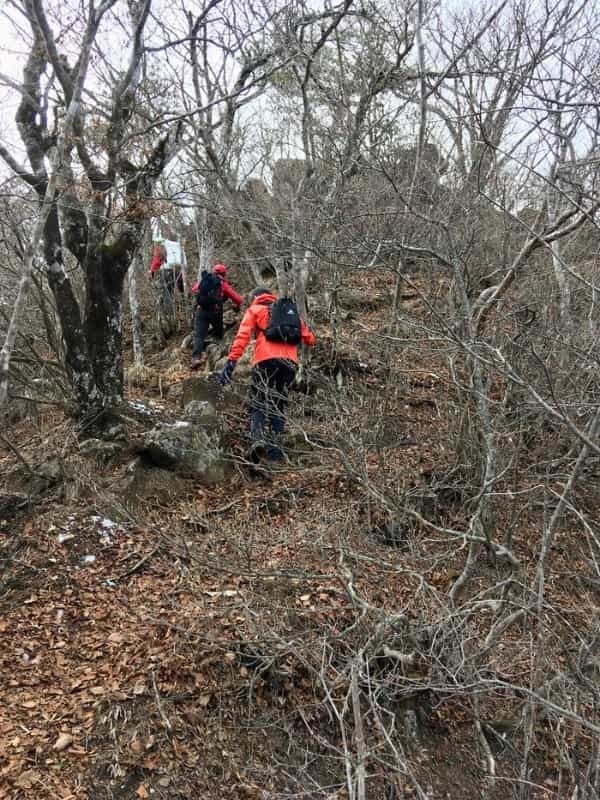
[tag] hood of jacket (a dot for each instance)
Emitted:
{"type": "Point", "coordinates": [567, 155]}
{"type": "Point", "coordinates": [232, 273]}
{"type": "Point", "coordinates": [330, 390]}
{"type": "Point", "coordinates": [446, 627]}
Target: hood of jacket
{"type": "Point", "coordinates": [264, 299]}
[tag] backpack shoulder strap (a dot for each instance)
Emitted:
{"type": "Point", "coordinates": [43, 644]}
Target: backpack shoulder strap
{"type": "Point", "coordinates": [264, 305]}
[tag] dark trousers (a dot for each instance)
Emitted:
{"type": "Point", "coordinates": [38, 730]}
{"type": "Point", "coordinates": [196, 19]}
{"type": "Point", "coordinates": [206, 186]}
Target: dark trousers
{"type": "Point", "coordinates": [167, 279]}
{"type": "Point", "coordinates": [267, 400]}
{"type": "Point", "coordinates": [205, 319]}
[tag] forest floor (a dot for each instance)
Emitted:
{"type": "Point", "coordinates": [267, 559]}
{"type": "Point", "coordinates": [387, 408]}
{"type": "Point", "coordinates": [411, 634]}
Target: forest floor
{"type": "Point", "coordinates": [196, 644]}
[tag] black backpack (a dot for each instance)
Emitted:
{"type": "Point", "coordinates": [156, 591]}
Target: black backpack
{"type": "Point", "coordinates": [209, 291]}
{"type": "Point", "coordinates": [284, 322]}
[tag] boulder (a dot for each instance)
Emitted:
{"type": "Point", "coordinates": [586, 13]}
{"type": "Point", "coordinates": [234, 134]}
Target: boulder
{"type": "Point", "coordinates": [231, 320]}
{"type": "Point", "coordinates": [215, 353]}
{"type": "Point", "coordinates": [142, 481]}
{"type": "Point", "coordinates": [186, 448]}
{"type": "Point", "coordinates": [47, 474]}
{"type": "Point", "coordinates": [175, 391]}
{"type": "Point", "coordinates": [200, 412]}
{"type": "Point", "coordinates": [139, 375]}
{"type": "Point", "coordinates": [206, 388]}
{"type": "Point", "coordinates": [202, 388]}
{"type": "Point", "coordinates": [99, 450]}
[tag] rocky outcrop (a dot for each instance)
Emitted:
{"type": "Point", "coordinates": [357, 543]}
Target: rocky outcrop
{"type": "Point", "coordinates": [187, 448]}
{"type": "Point", "coordinates": [202, 388]}
{"type": "Point", "coordinates": [200, 412]}
{"type": "Point", "coordinates": [99, 450]}
{"type": "Point", "coordinates": [141, 482]}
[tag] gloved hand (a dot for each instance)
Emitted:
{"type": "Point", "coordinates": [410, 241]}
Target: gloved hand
{"type": "Point", "coordinates": [226, 373]}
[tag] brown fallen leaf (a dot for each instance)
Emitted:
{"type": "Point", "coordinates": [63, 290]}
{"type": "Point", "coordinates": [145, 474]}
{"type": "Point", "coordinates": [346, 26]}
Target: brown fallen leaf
{"type": "Point", "coordinates": [27, 779]}
{"type": "Point", "coordinates": [136, 746]}
{"type": "Point", "coordinates": [63, 741]}
{"type": "Point", "coordinates": [141, 791]}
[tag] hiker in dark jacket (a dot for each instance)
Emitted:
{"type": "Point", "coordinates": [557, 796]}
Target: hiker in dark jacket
{"type": "Point", "coordinates": [211, 292]}
{"type": "Point", "coordinates": [274, 366]}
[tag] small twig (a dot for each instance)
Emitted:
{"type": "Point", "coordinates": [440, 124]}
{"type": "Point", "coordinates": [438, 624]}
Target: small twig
{"type": "Point", "coordinates": [489, 758]}
{"type": "Point", "coordinates": [163, 716]}
{"type": "Point", "coordinates": [137, 565]}
{"type": "Point", "coordinates": [17, 453]}
{"type": "Point", "coordinates": [222, 509]}
{"type": "Point", "coordinates": [359, 738]}
{"type": "Point", "coordinates": [404, 658]}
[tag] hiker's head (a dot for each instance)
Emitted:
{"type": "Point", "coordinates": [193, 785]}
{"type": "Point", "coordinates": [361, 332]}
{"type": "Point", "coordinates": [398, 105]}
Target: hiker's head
{"type": "Point", "coordinates": [220, 269]}
{"type": "Point", "coordinates": [258, 291]}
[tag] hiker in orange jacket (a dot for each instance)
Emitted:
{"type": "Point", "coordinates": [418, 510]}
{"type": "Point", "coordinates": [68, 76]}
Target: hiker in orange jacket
{"type": "Point", "coordinates": [274, 367]}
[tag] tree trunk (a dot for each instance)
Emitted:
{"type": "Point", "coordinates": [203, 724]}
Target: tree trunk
{"type": "Point", "coordinates": [301, 268]}
{"type": "Point", "coordinates": [204, 240]}
{"type": "Point", "coordinates": [300, 261]}
{"type": "Point", "coordinates": [103, 321]}
{"type": "Point", "coordinates": [72, 328]}
{"type": "Point", "coordinates": [134, 304]}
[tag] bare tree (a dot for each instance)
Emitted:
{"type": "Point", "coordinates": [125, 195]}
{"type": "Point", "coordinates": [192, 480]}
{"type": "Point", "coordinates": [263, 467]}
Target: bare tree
{"type": "Point", "coordinates": [93, 193]}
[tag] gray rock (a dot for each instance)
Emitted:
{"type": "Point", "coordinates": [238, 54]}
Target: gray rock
{"type": "Point", "coordinates": [51, 470]}
{"type": "Point", "coordinates": [141, 482]}
{"type": "Point", "coordinates": [100, 450]}
{"type": "Point", "coordinates": [47, 474]}
{"type": "Point", "coordinates": [187, 342]}
{"type": "Point", "coordinates": [185, 448]}
{"type": "Point", "coordinates": [216, 352]}
{"type": "Point", "coordinates": [202, 388]}
{"type": "Point", "coordinates": [175, 391]}
{"type": "Point", "coordinates": [200, 412]}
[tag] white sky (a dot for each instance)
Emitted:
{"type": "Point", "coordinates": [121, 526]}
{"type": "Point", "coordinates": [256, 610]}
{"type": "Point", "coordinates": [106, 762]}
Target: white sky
{"type": "Point", "coordinates": [114, 41]}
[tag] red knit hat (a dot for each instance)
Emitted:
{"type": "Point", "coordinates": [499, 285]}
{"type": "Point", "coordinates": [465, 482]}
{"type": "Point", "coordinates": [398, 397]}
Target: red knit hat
{"type": "Point", "coordinates": [219, 269]}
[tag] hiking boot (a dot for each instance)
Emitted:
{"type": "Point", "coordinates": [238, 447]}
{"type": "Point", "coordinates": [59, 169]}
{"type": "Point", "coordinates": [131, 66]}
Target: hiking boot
{"type": "Point", "coordinates": [257, 452]}
{"type": "Point", "coordinates": [197, 362]}
{"type": "Point", "coordinates": [276, 454]}
{"type": "Point", "coordinates": [257, 425]}
{"type": "Point", "coordinates": [275, 451]}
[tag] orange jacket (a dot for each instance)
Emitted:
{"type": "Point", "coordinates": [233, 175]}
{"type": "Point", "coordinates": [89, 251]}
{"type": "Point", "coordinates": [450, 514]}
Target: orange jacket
{"type": "Point", "coordinates": [254, 322]}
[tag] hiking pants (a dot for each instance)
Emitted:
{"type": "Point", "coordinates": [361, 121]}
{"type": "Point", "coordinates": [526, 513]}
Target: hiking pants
{"type": "Point", "coordinates": [167, 279]}
{"type": "Point", "coordinates": [267, 399]}
{"type": "Point", "coordinates": [205, 319]}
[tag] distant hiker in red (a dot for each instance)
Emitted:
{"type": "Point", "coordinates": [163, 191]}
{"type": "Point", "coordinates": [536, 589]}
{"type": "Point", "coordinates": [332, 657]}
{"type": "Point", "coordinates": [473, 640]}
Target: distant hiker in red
{"type": "Point", "coordinates": [277, 330]}
{"type": "Point", "coordinates": [159, 257]}
{"type": "Point", "coordinates": [160, 264]}
{"type": "Point", "coordinates": [211, 292]}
